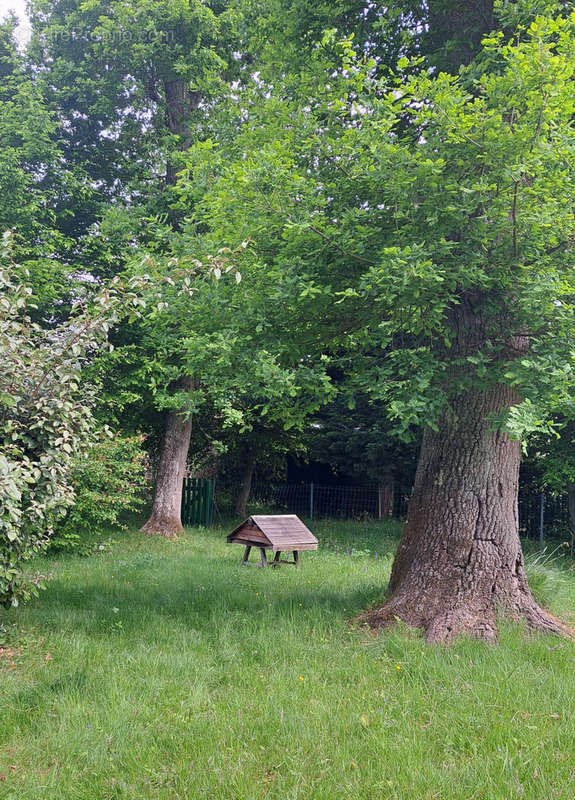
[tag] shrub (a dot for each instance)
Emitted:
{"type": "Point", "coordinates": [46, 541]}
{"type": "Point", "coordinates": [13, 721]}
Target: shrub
{"type": "Point", "coordinates": [46, 420]}
{"type": "Point", "coordinates": [108, 482]}
{"type": "Point", "coordinates": [45, 423]}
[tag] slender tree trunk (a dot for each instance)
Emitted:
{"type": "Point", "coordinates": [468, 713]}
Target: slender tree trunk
{"type": "Point", "coordinates": [165, 518]}
{"type": "Point", "coordinates": [456, 30]}
{"type": "Point", "coordinates": [243, 497]}
{"type": "Point", "coordinates": [459, 560]}
{"type": "Point", "coordinates": [571, 503]}
{"type": "Point", "coordinates": [180, 102]}
{"type": "Point", "coordinates": [386, 495]}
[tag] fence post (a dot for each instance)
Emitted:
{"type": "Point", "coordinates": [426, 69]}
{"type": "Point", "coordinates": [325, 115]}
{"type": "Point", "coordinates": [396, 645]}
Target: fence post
{"type": "Point", "coordinates": [311, 506]}
{"type": "Point", "coordinates": [211, 501]}
{"type": "Point", "coordinates": [541, 521]}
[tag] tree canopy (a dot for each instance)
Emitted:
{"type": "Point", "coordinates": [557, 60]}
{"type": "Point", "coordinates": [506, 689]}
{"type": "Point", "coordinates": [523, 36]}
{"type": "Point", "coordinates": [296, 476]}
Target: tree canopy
{"type": "Point", "coordinates": [317, 204]}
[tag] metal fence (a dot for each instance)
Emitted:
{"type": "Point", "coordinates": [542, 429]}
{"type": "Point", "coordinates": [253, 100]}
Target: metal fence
{"type": "Point", "coordinates": [312, 501]}
{"type": "Point", "coordinates": [542, 515]}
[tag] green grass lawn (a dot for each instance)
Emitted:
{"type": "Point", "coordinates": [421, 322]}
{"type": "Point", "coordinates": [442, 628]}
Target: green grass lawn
{"type": "Point", "coordinates": [161, 670]}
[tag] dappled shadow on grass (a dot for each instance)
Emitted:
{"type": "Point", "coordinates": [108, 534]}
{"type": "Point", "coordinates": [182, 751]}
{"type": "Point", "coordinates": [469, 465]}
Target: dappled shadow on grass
{"type": "Point", "coordinates": [126, 596]}
{"type": "Point", "coordinates": [149, 586]}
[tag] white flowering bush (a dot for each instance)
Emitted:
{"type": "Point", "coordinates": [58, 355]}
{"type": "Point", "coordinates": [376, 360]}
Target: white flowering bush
{"type": "Point", "coordinates": [46, 422]}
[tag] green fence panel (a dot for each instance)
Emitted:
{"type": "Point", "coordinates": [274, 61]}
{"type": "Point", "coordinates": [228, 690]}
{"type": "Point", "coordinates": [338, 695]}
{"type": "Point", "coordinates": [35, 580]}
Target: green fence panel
{"type": "Point", "coordinates": [197, 501]}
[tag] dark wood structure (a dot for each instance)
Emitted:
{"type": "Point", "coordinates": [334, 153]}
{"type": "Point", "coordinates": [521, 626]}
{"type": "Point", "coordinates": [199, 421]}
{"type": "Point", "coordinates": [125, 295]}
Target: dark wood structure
{"type": "Point", "coordinates": [278, 533]}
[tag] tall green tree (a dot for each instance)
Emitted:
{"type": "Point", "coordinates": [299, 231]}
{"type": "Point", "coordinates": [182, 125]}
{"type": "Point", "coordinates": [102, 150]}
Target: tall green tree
{"type": "Point", "coordinates": [30, 175]}
{"type": "Point", "coordinates": [131, 84]}
{"type": "Point", "coordinates": [126, 81]}
{"type": "Point", "coordinates": [213, 317]}
{"type": "Point", "coordinates": [435, 221]}
{"type": "Point", "coordinates": [134, 85]}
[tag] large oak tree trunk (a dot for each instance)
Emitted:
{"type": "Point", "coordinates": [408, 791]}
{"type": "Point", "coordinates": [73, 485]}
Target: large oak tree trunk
{"type": "Point", "coordinates": [165, 518]}
{"type": "Point", "coordinates": [459, 560]}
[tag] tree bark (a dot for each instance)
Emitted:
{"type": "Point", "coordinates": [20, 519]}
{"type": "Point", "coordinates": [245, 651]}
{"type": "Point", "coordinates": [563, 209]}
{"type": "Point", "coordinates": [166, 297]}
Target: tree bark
{"type": "Point", "coordinates": [456, 31]}
{"type": "Point", "coordinates": [243, 497]}
{"type": "Point", "coordinates": [459, 560]}
{"type": "Point", "coordinates": [165, 518]}
{"type": "Point", "coordinates": [180, 102]}
{"type": "Point", "coordinates": [571, 505]}
{"type": "Point", "coordinates": [386, 496]}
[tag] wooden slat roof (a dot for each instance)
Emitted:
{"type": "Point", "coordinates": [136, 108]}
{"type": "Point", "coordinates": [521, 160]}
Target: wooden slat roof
{"type": "Point", "coordinates": [284, 531]}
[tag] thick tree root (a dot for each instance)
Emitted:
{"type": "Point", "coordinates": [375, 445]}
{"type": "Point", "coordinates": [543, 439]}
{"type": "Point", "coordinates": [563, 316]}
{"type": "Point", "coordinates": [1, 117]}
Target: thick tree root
{"type": "Point", "coordinates": [168, 528]}
{"type": "Point", "coordinates": [472, 618]}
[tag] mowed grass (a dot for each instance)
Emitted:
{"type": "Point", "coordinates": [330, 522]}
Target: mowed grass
{"type": "Point", "coordinates": [163, 669]}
